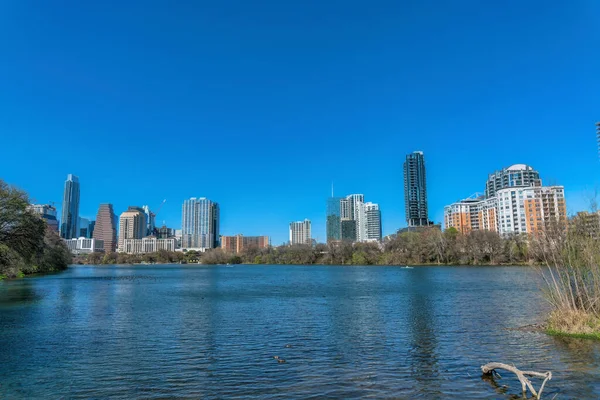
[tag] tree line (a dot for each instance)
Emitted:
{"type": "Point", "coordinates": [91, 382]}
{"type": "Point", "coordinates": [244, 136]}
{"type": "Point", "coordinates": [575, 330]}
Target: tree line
{"type": "Point", "coordinates": [27, 246]}
{"type": "Point", "coordinates": [428, 246]}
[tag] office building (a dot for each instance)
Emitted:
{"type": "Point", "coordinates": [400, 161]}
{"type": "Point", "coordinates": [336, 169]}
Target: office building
{"type": "Point", "coordinates": [300, 232]}
{"type": "Point", "coordinates": [415, 190]}
{"type": "Point", "coordinates": [85, 228]}
{"type": "Point", "coordinates": [238, 243]}
{"type": "Point", "coordinates": [372, 222]}
{"type": "Point", "coordinates": [150, 221]}
{"type": "Point", "coordinates": [349, 230]}
{"type": "Point", "coordinates": [70, 208]}
{"type": "Point", "coordinates": [47, 213]}
{"type": "Point", "coordinates": [200, 224]}
{"type": "Point", "coordinates": [132, 225]}
{"type": "Point", "coordinates": [148, 245]}
{"type": "Point", "coordinates": [84, 245]}
{"type": "Point", "coordinates": [334, 226]}
{"type": "Point", "coordinates": [513, 176]}
{"type": "Point", "coordinates": [164, 233]}
{"type": "Point", "coordinates": [105, 228]}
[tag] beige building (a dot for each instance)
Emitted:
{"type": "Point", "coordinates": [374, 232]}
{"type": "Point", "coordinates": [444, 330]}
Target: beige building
{"type": "Point", "coordinates": [300, 232]}
{"type": "Point", "coordinates": [148, 245]}
{"type": "Point", "coordinates": [132, 225]}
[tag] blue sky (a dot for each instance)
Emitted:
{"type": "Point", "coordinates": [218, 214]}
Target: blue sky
{"type": "Point", "coordinates": [261, 105]}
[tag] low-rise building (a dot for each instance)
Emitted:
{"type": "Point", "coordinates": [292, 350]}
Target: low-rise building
{"type": "Point", "coordinates": [84, 245]}
{"type": "Point", "coordinates": [148, 245]}
{"type": "Point", "coordinates": [239, 243]}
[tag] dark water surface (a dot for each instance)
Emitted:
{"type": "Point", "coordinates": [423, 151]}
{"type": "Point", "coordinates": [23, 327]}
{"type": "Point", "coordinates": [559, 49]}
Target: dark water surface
{"type": "Point", "coordinates": [345, 332]}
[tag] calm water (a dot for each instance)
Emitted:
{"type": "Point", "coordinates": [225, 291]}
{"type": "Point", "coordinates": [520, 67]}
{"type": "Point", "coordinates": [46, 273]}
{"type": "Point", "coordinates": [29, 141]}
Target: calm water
{"type": "Point", "coordinates": [345, 332]}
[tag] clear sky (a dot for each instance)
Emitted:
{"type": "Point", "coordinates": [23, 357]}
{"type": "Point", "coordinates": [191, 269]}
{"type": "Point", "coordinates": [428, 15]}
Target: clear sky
{"type": "Point", "coordinates": [260, 105]}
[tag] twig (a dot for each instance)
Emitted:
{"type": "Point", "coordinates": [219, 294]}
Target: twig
{"type": "Point", "coordinates": [490, 369]}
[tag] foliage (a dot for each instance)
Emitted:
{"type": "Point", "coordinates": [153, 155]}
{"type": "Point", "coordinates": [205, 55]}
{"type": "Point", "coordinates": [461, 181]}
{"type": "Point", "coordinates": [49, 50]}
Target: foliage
{"type": "Point", "coordinates": [26, 245]}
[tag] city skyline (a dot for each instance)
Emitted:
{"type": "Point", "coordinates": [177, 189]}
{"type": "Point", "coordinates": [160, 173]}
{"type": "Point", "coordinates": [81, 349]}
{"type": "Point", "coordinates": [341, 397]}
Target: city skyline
{"type": "Point", "coordinates": [230, 116]}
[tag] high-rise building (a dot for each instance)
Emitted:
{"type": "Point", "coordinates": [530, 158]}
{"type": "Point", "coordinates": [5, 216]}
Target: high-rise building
{"type": "Point", "coordinates": [373, 222]}
{"type": "Point", "coordinates": [239, 243]}
{"type": "Point", "coordinates": [47, 213]}
{"type": "Point", "coordinates": [150, 221]}
{"type": "Point", "coordinates": [84, 228]}
{"type": "Point", "coordinates": [200, 223]}
{"type": "Point", "coordinates": [334, 226]}
{"type": "Point", "coordinates": [300, 232]}
{"type": "Point", "coordinates": [349, 230]}
{"type": "Point", "coordinates": [415, 190]}
{"type": "Point", "coordinates": [70, 208]}
{"type": "Point", "coordinates": [105, 228]}
{"type": "Point", "coordinates": [132, 225]}
{"type": "Point", "coordinates": [513, 176]}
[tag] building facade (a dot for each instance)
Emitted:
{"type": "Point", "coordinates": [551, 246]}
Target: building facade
{"type": "Point", "coordinates": [70, 208]}
{"type": "Point", "coordinates": [513, 176]}
{"type": "Point", "coordinates": [150, 221]}
{"type": "Point", "coordinates": [238, 243]}
{"type": "Point", "coordinates": [300, 232]}
{"type": "Point", "coordinates": [105, 228]}
{"type": "Point", "coordinates": [132, 225]}
{"type": "Point", "coordinates": [373, 230]}
{"type": "Point", "coordinates": [148, 245]}
{"type": "Point", "coordinates": [415, 190]}
{"type": "Point", "coordinates": [334, 226]}
{"type": "Point", "coordinates": [84, 245]}
{"type": "Point", "coordinates": [471, 214]}
{"type": "Point", "coordinates": [200, 223]}
{"type": "Point", "coordinates": [47, 213]}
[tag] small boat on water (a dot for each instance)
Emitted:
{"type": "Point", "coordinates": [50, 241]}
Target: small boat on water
{"type": "Point", "coordinates": [407, 267]}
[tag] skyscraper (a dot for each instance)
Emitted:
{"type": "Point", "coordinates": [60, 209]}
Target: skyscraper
{"type": "Point", "coordinates": [105, 228]}
{"type": "Point", "coordinates": [200, 223]}
{"type": "Point", "coordinates": [415, 190]}
{"type": "Point", "coordinates": [70, 208]}
{"type": "Point", "coordinates": [513, 176]}
{"type": "Point", "coordinates": [300, 232]}
{"type": "Point", "coordinates": [132, 225]}
{"type": "Point", "coordinates": [48, 213]}
{"type": "Point", "coordinates": [150, 221]}
{"type": "Point", "coordinates": [334, 226]}
{"type": "Point", "coordinates": [373, 222]}
{"type": "Point", "coordinates": [84, 228]}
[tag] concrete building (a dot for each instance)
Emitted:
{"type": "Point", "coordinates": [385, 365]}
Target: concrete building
{"type": "Point", "coordinates": [84, 245]}
{"type": "Point", "coordinates": [132, 225]}
{"type": "Point", "coordinates": [415, 190]}
{"type": "Point", "coordinates": [239, 243]}
{"type": "Point", "coordinates": [165, 233]}
{"type": "Point", "coordinates": [85, 227]}
{"type": "Point", "coordinates": [105, 228]}
{"type": "Point", "coordinates": [47, 213]}
{"type": "Point", "coordinates": [148, 245]}
{"type": "Point", "coordinates": [200, 223]}
{"type": "Point", "coordinates": [300, 232]}
{"type": "Point", "coordinates": [70, 208]}
{"type": "Point", "coordinates": [513, 176]}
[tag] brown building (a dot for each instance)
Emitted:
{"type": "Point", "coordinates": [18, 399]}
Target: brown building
{"type": "Point", "coordinates": [105, 228]}
{"type": "Point", "coordinates": [239, 243]}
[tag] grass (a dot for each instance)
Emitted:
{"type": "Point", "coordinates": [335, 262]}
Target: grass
{"type": "Point", "coordinates": [573, 323]}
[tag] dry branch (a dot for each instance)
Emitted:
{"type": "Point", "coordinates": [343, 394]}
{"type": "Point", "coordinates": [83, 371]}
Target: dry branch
{"type": "Point", "coordinates": [489, 369]}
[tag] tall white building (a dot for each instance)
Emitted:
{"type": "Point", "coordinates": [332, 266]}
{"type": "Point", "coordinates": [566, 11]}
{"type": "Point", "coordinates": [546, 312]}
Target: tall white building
{"type": "Point", "coordinates": [200, 224]}
{"type": "Point", "coordinates": [132, 225]}
{"type": "Point", "coordinates": [84, 245]}
{"type": "Point", "coordinates": [373, 222]}
{"type": "Point", "coordinates": [300, 232]}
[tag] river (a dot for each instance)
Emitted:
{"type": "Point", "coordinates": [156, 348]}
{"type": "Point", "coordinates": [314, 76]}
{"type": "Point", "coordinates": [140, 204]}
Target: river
{"type": "Point", "coordinates": [166, 331]}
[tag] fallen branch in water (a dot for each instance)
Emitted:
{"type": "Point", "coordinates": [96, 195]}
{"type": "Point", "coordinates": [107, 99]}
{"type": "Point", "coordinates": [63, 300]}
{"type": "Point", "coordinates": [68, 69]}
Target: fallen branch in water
{"type": "Point", "coordinates": [490, 369]}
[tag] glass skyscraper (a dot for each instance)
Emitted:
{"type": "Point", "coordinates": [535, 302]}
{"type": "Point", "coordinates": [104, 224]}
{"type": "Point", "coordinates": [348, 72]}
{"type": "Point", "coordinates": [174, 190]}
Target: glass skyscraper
{"type": "Point", "coordinates": [415, 190]}
{"type": "Point", "coordinates": [200, 223]}
{"type": "Point", "coordinates": [70, 208]}
{"type": "Point", "coordinates": [334, 226]}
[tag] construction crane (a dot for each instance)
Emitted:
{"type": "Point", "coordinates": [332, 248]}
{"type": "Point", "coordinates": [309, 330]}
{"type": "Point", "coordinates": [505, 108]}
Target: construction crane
{"type": "Point", "coordinates": [160, 207]}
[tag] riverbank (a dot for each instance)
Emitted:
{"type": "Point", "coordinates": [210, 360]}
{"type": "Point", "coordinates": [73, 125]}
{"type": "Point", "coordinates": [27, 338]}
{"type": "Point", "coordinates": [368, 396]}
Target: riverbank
{"type": "Point", "coordinates": [574, 324]}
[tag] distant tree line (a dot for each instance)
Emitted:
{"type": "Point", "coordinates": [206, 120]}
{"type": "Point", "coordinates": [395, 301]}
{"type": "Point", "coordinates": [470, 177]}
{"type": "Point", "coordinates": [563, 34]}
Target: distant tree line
{"type": "Point", "coordinates": [27, 246]}
{"type": "Point", "coordinates": [429, 246]}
